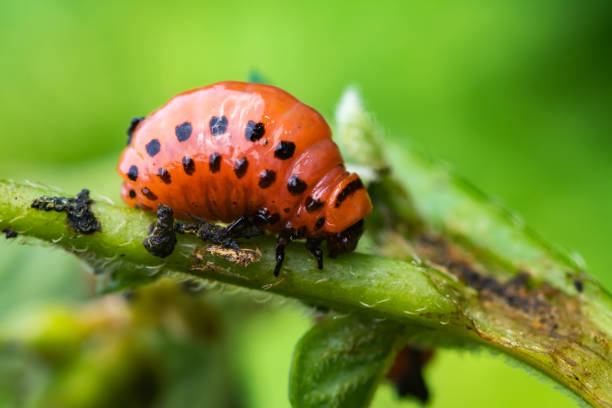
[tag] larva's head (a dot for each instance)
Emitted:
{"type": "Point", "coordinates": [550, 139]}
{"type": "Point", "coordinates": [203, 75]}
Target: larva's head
{"type": "Point", "coordinates": [345, 241]}
{"type": "Point", "coordinates": [348, 204]}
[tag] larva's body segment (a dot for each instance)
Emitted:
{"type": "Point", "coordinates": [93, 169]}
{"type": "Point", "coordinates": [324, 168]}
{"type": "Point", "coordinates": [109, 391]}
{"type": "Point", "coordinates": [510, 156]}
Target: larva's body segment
{"type": "Point", "coordinates": [234, 149]}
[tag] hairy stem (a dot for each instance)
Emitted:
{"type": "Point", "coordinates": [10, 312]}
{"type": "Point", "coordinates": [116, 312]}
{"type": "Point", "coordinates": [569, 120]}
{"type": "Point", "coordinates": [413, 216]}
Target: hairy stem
{"type": "Point", "coordinates": [465, 290]}
{"type": "Point", "coordinates": [386, 286]}
{"type": "Point", "coordinates": [523, 296]}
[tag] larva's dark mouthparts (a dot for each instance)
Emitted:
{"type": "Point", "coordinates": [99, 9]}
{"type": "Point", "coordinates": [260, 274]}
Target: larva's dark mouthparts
{"type": "Point", "coordinates": [345, 241]}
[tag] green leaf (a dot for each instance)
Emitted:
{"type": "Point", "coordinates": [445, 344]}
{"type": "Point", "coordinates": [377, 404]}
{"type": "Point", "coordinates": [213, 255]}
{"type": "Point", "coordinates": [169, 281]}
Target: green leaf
{"type": "Point", "coordinates": [339, 362]}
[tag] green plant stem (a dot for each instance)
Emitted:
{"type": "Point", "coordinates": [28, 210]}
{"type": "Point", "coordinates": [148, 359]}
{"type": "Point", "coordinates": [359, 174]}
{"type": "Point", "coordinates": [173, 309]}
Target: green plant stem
{"type": "Point", "coordinates": [529, 299]}
{"type": "Point", "coordinates": [576, 352]}
{"type": "Point", "coordinates": [561, 322]}
{"type": "Point", "coordinates": [385, 286]}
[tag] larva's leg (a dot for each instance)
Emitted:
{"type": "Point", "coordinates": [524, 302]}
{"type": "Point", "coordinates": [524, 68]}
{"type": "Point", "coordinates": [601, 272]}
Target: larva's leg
{"type": "Point", "coordinates": [207, 232]}
{"type": "Point", "coordinates": [280, 255]}
{"type": "Point", "coordinates": [312, 244]}
{"type": "Point", "coordinates": [243, 227]}
{"type": "Point", "coordinates": [282, 241]}
{"type": "Point", "coordinates": [162, 237]}
{"type": "Point", "coordinates": [217, 235]}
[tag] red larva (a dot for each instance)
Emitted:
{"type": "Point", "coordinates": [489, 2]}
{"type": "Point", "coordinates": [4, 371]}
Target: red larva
{"type": "Point", "coordinates": [234, 149]}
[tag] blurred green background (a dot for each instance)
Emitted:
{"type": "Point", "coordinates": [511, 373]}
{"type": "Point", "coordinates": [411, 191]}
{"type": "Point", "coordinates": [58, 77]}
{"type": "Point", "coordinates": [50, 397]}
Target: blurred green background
{"type": "Point", "coordinates": [516, 96]}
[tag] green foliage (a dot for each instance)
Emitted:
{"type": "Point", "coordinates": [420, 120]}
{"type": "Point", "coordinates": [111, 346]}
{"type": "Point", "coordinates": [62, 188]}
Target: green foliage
{"type": "Point", "coordinates": [115, 352]}
{"type": "Point", "coordinates": [470, 289]}
{"type": "Point", "coordinates": [514, 94]}
{"type": "Point", "coordinates": [340, 362]}
{"type": "Point", "coordinates": [467, 294]}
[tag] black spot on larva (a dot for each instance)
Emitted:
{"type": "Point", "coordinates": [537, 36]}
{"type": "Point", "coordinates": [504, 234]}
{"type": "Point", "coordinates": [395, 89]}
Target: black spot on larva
{"type": "Point", "coordinates": [183, 131]}
{"type": "Point", "coordinates": [130, 130]}
{"type": "Point", "coordinates": [214, 162]}
{"type": "Point", "coordinates": [295, 185]}
{"type": "Point", "coordinates": [286, 210]}
{"type": "Point", "coordinates": [241, 166]}
{"type": "Point", "coordinates": [274, 218]}
{"type": "Point", "coordinates": [313, 205]}
{"type": "Point", "coordinates": [319, 223]}
{"type": "Point", "coordinates": [348, 190]}
{"type": "Point", "coordinates": [254, 131]}
{"type": "Point", "coordinates": [153, 147]}
{"type": "Point", "coordinates": [266, 178]}
{"type": "Point", "coordinates": [188, 165]}
{"type": "Point", "coordinates": [218, 125]}
{"type": "Point", "coordinates": [149, 194]}
{"type": "Point", "coordinates": [263, 217]}
{"type": "Point", "coordinates": [164, 175]}
{"type": "Point", "coordinates": [133, 173]}
{"type": "Point", "coordinates": [132, 194]}
{"type": "Point", "coordinates": [284, 150]}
